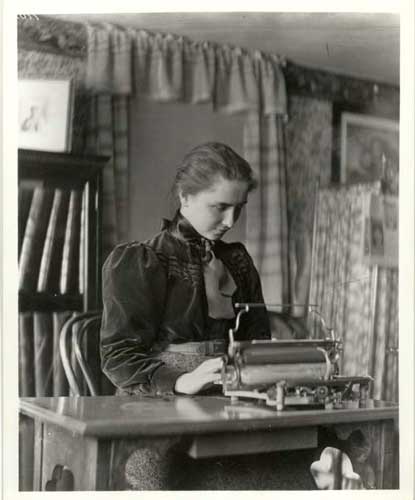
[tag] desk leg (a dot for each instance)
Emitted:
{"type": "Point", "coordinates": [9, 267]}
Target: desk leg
{"type": "Point", "coordinates": [26, 453]}
{"type": "Point", "coordinates": [68, 461]}
{"type": "Point", "coordinates": [372, 448]}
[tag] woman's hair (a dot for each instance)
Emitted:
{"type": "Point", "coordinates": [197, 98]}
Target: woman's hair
{"type": "Point", "coordinates": [202, 166]}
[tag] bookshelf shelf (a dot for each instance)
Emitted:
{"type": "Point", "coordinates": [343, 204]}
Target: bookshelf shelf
{"type": "Point", "coordinates": [41, 301]}
{"type": "Point", "coordinates": [59, 226]}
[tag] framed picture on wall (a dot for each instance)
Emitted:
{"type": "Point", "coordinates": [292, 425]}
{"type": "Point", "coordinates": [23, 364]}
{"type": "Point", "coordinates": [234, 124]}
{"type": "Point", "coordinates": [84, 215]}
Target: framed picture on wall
{"type": "Point", "coordinates": [369, 149]}
{"type": "Point", "coordinates": [45, 114]}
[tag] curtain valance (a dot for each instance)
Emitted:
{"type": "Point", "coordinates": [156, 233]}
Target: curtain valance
{"type": "Point", "coordinates": [165, 67]}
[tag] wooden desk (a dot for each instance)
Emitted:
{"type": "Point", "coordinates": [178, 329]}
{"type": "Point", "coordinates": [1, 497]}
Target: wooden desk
{"type": "Point", "coordinates": [78, 439]}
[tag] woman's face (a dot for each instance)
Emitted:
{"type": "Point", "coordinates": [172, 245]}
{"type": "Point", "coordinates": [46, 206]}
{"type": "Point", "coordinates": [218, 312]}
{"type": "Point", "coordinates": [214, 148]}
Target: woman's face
{"type": "Point", "coordinates": [214, 211]}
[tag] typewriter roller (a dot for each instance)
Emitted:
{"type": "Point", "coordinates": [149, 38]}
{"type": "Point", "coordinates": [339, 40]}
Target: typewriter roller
{"type": "Point", "coordinates": [289, 372]}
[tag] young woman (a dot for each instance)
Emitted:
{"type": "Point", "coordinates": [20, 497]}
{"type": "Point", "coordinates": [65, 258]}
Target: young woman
{"type": "Point", "coordinates": [168, 306]}
{"type": "Point", "coordinates": [169, 301]}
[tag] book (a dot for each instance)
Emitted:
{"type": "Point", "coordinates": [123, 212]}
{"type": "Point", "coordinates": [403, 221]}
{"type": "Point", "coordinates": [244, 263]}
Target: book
{"type": "Point", "coordinates": [25, 196]}
{"type": "Point", "coordinates": [53, 269]}
{"type": "Point", "coordinates": [60, 382]}
{"type": "Point", "coordinates": [70, 257]}
{"type": "Point", "coordinates": [26, 357]}
{"type": "Point", "coordinates": [34, 237]}
{"type": "Point", "coordinates": [53, 238]}
{"type": "Point", "coordinates": [81, 285]}
{"type": "Point", "coordinates": [43, 353]}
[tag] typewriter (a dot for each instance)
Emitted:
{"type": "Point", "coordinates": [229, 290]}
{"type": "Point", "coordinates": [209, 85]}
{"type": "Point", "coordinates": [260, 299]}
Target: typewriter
{"type": "Point", "coordinates": [290, 373]}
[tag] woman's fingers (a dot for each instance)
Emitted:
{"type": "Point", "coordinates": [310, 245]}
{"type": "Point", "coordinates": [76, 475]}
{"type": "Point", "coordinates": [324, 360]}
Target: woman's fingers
{"type": "Point", "coordinates": [211, 365]}
{"type": "Point", "coordinates": [211, 377]}
{"type": "Point", "coordinates": [193, 382]}
{"type": "Point", "coordinates": [206, 373]}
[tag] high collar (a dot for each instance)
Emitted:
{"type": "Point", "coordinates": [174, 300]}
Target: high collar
{"type": "Point", "coordinates": [181, 228]}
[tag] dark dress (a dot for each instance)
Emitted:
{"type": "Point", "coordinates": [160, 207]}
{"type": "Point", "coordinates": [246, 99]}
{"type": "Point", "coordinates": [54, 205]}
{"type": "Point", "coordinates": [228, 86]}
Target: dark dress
{"type": "Point", "coordinates": [154, 296]}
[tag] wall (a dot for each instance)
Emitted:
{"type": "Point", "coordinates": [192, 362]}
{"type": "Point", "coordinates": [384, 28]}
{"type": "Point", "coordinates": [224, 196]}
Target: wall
{"type": "Point", "coordinates": [313, 97]}
{"type": "Point", "coordinates": [50, 48]}
{"type": "Point", "coordinates": [39, 65]}
{"type": "Point", "coordinates": [162, 132]}
{"type": "Point", "coordinates": [160, 135]}
{"type": "Point", "coordinates": [308, 142]}
{"type": "Point", "coordinates": [310, 147]}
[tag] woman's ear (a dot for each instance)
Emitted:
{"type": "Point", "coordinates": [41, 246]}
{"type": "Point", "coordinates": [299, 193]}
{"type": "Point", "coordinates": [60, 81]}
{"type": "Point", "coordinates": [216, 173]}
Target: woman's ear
{"type": "Point", "coordinates": [183, 199]}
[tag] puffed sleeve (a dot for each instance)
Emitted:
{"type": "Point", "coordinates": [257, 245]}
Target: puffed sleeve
{"type": "Point", "coordinates": [134, 290]}
{"type": "Point", "coordinates": [256, 323]}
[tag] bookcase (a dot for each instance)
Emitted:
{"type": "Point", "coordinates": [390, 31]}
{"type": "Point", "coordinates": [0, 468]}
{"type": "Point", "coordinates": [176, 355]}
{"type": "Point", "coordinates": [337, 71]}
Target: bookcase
{"type": "Point", "coordinates": [59, 251]}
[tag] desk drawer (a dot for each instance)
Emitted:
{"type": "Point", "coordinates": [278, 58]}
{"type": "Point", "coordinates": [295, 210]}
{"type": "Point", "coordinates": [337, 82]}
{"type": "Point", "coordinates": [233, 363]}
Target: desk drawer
{"type": "Point", "coordinates": [225, 444]}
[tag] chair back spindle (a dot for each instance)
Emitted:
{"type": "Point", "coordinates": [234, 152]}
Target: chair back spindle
{"type": "Point", "coordinates": [73, 333]}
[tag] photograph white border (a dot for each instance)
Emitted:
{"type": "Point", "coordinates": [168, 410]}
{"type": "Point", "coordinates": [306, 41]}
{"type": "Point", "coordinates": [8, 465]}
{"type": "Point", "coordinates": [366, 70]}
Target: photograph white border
{"type": "Point", "coordinates": [9, 206]}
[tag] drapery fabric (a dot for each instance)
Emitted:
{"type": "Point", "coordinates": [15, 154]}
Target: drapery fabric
{"type": "Point", "coordinates": [267, 233]}
{"type": "Point", "coordinates": [163, 67]}
{"type": "Point", "coordinates": [107, 134]}
{"type": "Point", "coordinates": [386, 336]}
{"type": "Point", "coordinates": [358, 301]}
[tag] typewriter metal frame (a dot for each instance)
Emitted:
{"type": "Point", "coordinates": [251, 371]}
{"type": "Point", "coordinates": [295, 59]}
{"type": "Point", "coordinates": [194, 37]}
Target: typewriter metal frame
{"type": "Point", "coordinates": [328, 389]}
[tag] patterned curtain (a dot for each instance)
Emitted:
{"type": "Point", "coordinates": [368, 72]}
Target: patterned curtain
{"type": "Point", "coordinates": [386, 336]}
{"type": "Point", "coordinates": [107, 134]}
{"type": "Point", "coordinates": [267, 235]}
{"type": "Point", "coordinates": [359, 301]}
{"type": "Point", "coordinates": [164, 67]}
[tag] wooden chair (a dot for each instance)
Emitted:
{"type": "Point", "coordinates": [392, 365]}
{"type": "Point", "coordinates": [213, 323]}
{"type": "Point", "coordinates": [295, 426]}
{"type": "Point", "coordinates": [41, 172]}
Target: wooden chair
{"type": "Point", "coordinates": [71, 339]}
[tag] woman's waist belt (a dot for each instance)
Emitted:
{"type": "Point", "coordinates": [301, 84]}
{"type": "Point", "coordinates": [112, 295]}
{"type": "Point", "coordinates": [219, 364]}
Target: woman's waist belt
{"type": "Point", "coordinates": [205, 348]}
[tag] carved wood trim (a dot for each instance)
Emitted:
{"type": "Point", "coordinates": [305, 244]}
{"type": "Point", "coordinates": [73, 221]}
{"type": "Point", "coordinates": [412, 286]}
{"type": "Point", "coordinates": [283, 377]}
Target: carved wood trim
{"type": "Point", "coordinates": [62, 479]}
{"type": "Point", "coordinates": [370, 447]}
{"type": "Point", "coordinates": [310, 82]}
{"type": "Point", "coordinates": [45, 34]}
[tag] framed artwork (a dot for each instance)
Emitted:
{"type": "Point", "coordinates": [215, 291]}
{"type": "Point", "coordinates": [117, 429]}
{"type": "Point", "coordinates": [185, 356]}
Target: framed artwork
{"type": "Point", "coordinates": [45, 114]}
{"type": "Point", "coordinates": [369, 150]}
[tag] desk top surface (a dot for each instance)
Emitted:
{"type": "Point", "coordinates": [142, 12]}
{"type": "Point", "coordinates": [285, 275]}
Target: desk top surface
{"type": "Point", "coordinates": [116, 416]}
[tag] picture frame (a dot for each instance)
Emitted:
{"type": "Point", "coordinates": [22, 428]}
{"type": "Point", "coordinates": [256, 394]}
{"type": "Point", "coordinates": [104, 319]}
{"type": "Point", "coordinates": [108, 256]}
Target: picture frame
{"type": "Point", "coordinates": [369, 149]}
{"type": "Point", "coordinates": [45, 114]}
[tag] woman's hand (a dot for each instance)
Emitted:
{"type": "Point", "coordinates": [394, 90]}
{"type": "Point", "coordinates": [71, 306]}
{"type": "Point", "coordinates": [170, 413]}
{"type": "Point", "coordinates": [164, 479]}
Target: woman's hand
{"type": "Point", "coordinates": [205, 374]}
